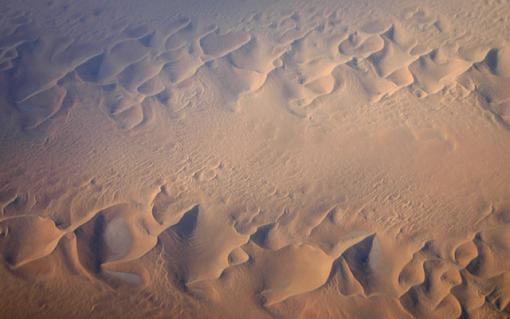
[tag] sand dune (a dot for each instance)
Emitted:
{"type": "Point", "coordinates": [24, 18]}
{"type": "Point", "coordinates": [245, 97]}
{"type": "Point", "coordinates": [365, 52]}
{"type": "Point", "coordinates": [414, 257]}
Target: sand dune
{"type": "Point", "coordinates": [262, 159]}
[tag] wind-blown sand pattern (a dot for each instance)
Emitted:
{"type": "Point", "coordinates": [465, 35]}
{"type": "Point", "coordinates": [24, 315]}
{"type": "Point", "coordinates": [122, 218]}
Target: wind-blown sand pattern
{"type": "Point", "coordinates": [255, 159]}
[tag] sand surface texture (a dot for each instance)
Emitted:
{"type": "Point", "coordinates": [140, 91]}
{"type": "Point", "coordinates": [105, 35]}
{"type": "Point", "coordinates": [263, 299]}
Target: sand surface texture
{"type": "Point", "coordinates": [255, 159]}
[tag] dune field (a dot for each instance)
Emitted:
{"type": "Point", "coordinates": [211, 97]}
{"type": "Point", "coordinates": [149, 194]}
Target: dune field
{"type": "Point", "coordinates": [255, 159]}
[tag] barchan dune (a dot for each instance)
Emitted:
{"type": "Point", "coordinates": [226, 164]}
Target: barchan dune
{"type": "Point", "coordinates": [255, 159]}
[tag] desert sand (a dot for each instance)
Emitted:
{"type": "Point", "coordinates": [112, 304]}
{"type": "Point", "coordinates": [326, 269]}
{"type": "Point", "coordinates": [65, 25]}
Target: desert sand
{"type": "Point", "coordinates": [255, 159]}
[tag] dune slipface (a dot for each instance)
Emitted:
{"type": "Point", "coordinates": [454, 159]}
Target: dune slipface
{"type": "Point", "coordinates": [255, 159]}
